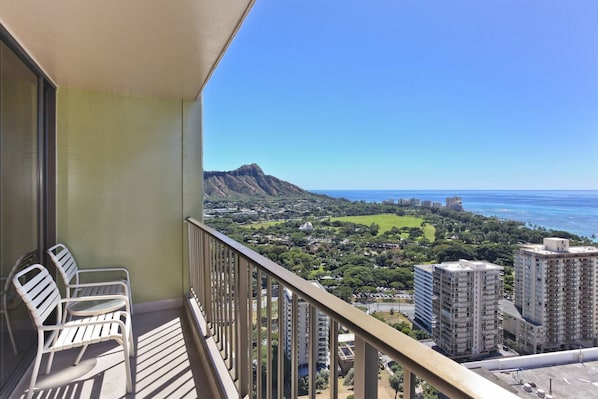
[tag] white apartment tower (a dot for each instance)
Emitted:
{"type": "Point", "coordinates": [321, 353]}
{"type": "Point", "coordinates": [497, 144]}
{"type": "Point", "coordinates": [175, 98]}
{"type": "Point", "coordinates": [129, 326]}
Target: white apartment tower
{"type": "Point", "coordinates": [423, 292]}
{"type": "Point", "coordinates": [465, 305]}
{"type": "Point", "coordinates": [556, 288]}
{"type": "Point", "coordinates": [303, 331]}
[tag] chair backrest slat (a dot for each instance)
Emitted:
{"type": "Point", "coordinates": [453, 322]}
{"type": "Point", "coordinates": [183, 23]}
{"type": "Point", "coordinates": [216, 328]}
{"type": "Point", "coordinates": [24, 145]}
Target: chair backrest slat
{"type": "Point", "coordinates": [48, 306]}
{"type": "Point", "coordinates": [43, 297]}
{"type": "Point", "coordinates": [38, 291]}
{"type": "Point", "coordinates": [34, 285]}
{"type": "Point", "coordinates": [65, 263]}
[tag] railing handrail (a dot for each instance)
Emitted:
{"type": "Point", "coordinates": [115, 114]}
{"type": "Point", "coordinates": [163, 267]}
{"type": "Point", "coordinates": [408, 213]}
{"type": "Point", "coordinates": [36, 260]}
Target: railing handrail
{"type": "Point", "coordinates": [443, 373]}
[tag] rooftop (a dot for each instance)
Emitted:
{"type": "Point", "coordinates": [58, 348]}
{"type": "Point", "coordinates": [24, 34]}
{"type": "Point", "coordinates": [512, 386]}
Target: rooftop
{"type": "Point", "coordinates": [558, 246]}
{"type": "Point", "coordinates": [468, 265]}
{"type": "Point", "coordinates": [569, 381]}
{"type": "Point", "coordinates": [426, 268]}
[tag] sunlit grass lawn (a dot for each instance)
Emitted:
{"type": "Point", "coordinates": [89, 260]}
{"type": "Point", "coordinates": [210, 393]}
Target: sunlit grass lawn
{"type": "Point", "coordinates": [263, 224]}
{"type": "Point", "coordinates": [386, 221]}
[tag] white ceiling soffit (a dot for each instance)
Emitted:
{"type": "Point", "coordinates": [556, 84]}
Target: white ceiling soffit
{"type": "Point", "coordinates": [159, 48]}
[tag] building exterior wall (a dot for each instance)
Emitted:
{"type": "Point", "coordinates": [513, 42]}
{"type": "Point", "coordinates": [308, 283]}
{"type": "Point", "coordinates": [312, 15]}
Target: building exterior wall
{"type": "Point", "coordinates": [454, 203]}
{"type": "Point", "coordinates": [529, 336]}
{"type": "Point", "coordinates": [128, 172]}
{"type": "Point", "coordinates": [423, 291]}
{"type": "Point", "coordinates": [303, 331]}
{"type": "Point", "coordinates": [555, 287]}
{"type": "Point", "coordinates": [466, 308]}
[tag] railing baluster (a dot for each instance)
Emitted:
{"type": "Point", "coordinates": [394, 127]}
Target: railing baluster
{"type": "Point", "coordinates": [206, 288]}
{"type": "Point", "coordinates": [313, 350]}
{"type": "Point", "coordinates": [198, 249]}
{"type": "Point", "coordinates": [229, 307]}
{"type": "Point", "coordinates": [409, 383]}
{"type": "Point", "coordinates": [250, 334]}
{"type": "Point", "coordinates": [333, 348]}
{"type": "Point", "coordinates": [294, 348]}
{"type": "Point", "coordinates": [269, 338]}
{"type": "Point", "coordinates": [232, 299]}
{"type": "Point", "coordinates": [222, 301]}
{"type": "Point", "coordinates": [213, 282]}
{"type": "Point", "coordinates": [281, 337]}
{"type": "Point", "coordinates": [226, 308]}
{"type": "Point", "coordinates": [234, 305]}
{"type": "Point", "coordinates": [243, 324]}
{"type": "Point", "coordinates": [191, 244]}
{"type": "Point", "coordinates": [259, 371]}
{"type": "Point", "coordinates": [366, 370]}
{"type": "Point", "coordinates": [218, 296]}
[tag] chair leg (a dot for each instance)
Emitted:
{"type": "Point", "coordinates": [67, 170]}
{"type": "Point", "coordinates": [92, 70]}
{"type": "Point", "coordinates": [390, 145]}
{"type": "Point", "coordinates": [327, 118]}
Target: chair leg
{"type": "Point", "coordinates": [125, 346]}
{"type": "Point", "coordinates": [80, 355]}
{"type": "Point", "coordinates": [50, 361]}
{"type": "Point", "coordinates": [131, 342]}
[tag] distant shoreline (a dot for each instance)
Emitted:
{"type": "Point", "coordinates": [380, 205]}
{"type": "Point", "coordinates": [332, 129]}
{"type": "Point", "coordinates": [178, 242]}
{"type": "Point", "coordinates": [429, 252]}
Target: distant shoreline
{"type": "Point", "coordinates": [573, 211]}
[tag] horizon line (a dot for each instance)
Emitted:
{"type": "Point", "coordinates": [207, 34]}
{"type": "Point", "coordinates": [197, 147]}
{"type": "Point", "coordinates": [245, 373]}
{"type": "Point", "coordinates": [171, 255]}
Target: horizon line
{"type": "Point", "coordinates": [451, 189]}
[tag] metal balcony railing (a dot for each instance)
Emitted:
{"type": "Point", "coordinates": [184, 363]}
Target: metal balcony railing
{"type": "Point", "coordinates": [233, 287]}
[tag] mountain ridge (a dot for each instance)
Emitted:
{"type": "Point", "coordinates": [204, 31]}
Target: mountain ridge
{"type": "Point", "coordinates": [249, 181]}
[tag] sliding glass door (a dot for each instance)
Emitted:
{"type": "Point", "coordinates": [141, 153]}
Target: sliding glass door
{"type": "Point", "coordinates": [23, 196]}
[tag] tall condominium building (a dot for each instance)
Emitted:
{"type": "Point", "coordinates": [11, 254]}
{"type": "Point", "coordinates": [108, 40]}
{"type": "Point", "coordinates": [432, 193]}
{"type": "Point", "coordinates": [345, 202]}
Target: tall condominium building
{"type": "Point", "coordinates": [556, 295]}
{"type": "Point", "coordinates": [455, 203]}
{"type": "Point", "coordinates": [465, 305]}
{"type": "Point", "coordinates": [423, 292]}
{"type": "Point", "coordinates": [322, 328]}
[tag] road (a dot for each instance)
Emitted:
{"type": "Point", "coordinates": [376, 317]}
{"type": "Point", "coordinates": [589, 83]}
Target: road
{"type": "Point", "coordinates": [408, 309]}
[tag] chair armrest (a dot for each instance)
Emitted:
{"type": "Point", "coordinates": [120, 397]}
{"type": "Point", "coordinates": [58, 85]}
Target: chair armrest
{"type": "Point", "coordinates": [106, 269]}
{"type": "Point", "coordinates": [100, 284]}
{"type": "Point", "coordinates": [94, 298]}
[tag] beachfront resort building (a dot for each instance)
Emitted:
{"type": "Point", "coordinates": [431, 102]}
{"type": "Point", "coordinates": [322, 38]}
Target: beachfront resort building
{"type": "Point", "coordinates": [304, 331]}
{"type": "Point", "coordinates": [555, 296]}
{"type": "Point", "coordinates": [465, 305]}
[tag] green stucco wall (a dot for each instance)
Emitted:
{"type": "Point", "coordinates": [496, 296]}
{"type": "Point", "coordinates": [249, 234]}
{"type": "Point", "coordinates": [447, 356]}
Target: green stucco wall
{"type": "Point", "coordinates": [129, 171]}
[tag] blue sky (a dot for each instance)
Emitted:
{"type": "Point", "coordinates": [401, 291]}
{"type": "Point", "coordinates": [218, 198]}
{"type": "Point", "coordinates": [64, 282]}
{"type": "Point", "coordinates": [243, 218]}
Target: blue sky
{"type": "Point", "coordinates": [397, 94]}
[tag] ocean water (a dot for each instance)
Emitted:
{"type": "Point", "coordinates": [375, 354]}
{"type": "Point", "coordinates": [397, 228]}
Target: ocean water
{"type": "Point", "coordinates": [574, 211]}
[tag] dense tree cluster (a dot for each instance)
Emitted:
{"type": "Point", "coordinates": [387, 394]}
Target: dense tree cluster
{"type": "Point", "coordinates": [351, 258]}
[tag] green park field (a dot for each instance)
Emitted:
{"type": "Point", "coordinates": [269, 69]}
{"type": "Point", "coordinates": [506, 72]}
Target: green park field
{"type": "Point", "coordinates": [386, 221]}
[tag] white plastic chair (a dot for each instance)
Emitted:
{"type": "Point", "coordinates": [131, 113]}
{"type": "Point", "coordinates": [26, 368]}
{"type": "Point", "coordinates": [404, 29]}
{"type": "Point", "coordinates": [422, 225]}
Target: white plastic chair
{"type": "Point", "coordinates": [8, 296]}
{"type": "Point", "coordinates": [70, 273]}
{"type": "Point", "coordinates": [41, 295]}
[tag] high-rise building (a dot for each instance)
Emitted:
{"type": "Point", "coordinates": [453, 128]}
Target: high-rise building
{"type": "Point", "coordinates": [465, 305]}
{"type": "Point", "coordinates": [303, 332]}
{"type": "Point", "coordinates": [454, 203]}
{"type": "Point", "coordinates": [556, 294]}
{"type": "Point", "coordinates": [422, 293]}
